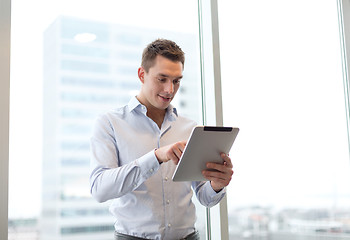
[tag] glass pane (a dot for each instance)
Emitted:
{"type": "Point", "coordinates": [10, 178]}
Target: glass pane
{"type": "Point", "coordinates": [282, 85]}
{"type": "Point", "coordinates": [72, 60]}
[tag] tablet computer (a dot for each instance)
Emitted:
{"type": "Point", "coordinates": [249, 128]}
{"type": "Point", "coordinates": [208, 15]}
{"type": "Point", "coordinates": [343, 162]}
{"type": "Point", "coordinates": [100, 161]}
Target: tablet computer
{"type": "Point", "coordinates": [204, 145]}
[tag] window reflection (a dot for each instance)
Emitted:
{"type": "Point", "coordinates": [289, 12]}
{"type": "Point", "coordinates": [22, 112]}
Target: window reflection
{"type": "Point", "coordinates": [81, 80]}
{"type": "Point", "coordinates": [282, 85]}
{"type": "Point", "coordinates": [78, 50]}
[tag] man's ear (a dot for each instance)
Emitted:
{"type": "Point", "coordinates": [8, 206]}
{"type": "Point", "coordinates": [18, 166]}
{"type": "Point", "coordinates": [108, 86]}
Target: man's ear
{"type": "Point", "coordinates": [141, 74]}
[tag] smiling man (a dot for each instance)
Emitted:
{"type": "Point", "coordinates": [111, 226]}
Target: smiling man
{"type": "Point", "coordinates": [134, 152]}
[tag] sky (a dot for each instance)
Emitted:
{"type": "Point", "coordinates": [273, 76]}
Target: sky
{"type": "Point", "coordinates": [282, 85]}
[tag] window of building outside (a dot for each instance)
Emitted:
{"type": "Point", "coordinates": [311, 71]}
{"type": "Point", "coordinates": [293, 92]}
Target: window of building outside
{"type": "Point", "coordinates": [282, 86]}
{"type": "Point", "coordinates": [70, 61]}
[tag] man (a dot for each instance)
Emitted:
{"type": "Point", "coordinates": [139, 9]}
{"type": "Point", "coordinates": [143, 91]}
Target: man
{"type": "Point", "coordinates": [134, 152]}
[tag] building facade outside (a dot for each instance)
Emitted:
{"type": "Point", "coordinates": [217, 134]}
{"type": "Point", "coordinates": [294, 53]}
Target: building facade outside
{"type": "Point", "coordinates": [91, 67]}
{"type": "Point", "coordinates": [83, 78]}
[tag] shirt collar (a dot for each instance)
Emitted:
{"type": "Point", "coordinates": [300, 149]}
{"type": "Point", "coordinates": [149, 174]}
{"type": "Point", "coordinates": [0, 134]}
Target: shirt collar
{"type": "Point", "coordinates": [134, 103]}
{"type": "Point", "coordinates": [172, 112]}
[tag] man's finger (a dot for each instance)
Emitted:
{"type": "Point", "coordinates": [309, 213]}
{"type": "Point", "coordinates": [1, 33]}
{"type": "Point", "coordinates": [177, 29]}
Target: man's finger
{"type": "Point", "coordinates": [216, 176]}
{"type": "Point", "coordinates": [181, 145]}
{"type": "Point", "coordinates": [177, 152]}
{"type": "Point", "coordinates": [217, 166]}
{"type": "Point", "coordinates": [227, 159]}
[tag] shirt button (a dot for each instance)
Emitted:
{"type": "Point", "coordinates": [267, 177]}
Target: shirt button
{"type": "Point", "coordinates": [135, 185]}
{"type": "Point", "coordinates": [169, 225]}
{"type": "Point", "coordinates": [167, 201]}
{"type": "Point", "coordinates": [166, 178]}
{"type": "Point", "coordinates": [151, 170]}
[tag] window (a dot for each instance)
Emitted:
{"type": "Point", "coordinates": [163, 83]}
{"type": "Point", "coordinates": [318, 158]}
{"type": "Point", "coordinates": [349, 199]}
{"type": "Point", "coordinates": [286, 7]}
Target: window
{"type": "Point", "coordinates": [282, 85]}
{"type": "Point", "coordinates": [71, 61]}
{"type": "Point", "coordinates": [271, 52]}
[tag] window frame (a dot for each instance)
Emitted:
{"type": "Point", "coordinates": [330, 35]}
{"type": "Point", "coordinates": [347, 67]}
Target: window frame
{"type": "Point", "coordinates": [212, 97]}
{"type": "Point", "coordinates": [344, 36]}
{"type": "Point", "coordinates": [211, 89]}
{"type": "Point", "coordinates": [5, 26]}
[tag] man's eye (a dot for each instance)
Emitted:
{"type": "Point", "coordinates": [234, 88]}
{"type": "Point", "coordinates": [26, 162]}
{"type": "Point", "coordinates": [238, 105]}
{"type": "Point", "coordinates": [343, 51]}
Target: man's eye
{"type": "Point", "coordinates": [162, 79]}
{"type": "Point", "coordinates": [176, 81]}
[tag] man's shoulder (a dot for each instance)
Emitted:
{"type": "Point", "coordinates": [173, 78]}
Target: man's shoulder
{"type": "Point", "coordinates": [118, 112]}
{"type": "Point", "coordinates": [113, 114]}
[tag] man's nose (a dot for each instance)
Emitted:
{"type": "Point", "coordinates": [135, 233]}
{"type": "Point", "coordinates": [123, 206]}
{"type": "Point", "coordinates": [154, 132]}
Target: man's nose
{"type": "Point", "coordinates": [169, 87]}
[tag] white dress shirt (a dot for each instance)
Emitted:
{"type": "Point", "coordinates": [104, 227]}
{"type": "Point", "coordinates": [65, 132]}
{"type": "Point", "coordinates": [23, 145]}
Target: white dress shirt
{"type": "Point", "coordinates": [145, 201]}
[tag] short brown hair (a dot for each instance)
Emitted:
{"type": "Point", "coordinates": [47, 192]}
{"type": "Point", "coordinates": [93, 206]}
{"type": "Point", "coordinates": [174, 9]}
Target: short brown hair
{"type": "Point", "coordinates": [162, 47]}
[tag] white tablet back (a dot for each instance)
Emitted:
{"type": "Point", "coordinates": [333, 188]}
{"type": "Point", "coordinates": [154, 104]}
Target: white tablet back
{"type": "Point", "coordinates": [204, 145]}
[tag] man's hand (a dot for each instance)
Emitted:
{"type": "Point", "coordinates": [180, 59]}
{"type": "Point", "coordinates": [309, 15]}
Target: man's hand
{"type": "Point", "coordinates": [222, 174]}
{"type": "Point", "coordinates": [170, 152]}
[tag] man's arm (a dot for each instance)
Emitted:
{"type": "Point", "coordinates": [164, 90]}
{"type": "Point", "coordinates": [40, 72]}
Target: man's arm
{"type": "Point", "coordinates": [211, 192]}
{"type": "Point", "coordinates": [108, 180]}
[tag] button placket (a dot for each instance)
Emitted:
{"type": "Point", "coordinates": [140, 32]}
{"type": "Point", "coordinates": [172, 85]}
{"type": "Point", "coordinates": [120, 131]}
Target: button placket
{"type": "Point", "coordinates": [167, 200]}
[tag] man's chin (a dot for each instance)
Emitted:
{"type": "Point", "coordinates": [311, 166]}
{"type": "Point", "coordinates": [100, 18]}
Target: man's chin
{"type": "Point", "coordinates": [163, 105]}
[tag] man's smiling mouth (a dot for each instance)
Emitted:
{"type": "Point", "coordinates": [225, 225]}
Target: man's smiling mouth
{"type": "Point", "coordinates": [165, 98]}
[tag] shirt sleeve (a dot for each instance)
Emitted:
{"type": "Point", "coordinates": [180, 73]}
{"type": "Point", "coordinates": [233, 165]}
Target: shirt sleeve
{"type": "Point", "coordinates": [108, 180]}
{"type": "Point", "coordinates": [206, 195]}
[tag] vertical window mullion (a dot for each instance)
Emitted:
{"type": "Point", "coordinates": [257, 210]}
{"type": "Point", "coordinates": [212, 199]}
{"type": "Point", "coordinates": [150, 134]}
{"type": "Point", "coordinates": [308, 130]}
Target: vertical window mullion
{"type": "Point", "coordinates": [344, 32]}
{"type": "Point", "coordinates": [5, 23]}
{"type": "Point", "coordinates": [211, 94]}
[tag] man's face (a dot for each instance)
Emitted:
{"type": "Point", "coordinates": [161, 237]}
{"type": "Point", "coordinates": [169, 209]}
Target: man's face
{"type": "Point", "coordinates": [160, 84]}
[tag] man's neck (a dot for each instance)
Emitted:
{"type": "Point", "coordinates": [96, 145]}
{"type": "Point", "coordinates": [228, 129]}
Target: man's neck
{"type": "Point", "coordinates": [156, 115]}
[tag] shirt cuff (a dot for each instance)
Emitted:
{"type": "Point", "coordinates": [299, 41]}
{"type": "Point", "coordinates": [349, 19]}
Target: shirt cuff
{"type": "Point", "coordinates": [148, 164]}
{"type": "Point", "coordinates": [215, 195]}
